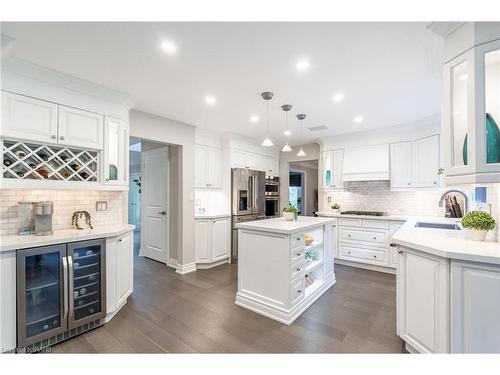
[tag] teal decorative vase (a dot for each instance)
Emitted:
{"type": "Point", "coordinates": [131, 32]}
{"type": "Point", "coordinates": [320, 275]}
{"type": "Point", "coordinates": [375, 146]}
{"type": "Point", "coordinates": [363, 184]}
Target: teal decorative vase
{"type": "Point", "coordinates": [328, 178]}
{"type": "Point", "coordinates": [492, 142]}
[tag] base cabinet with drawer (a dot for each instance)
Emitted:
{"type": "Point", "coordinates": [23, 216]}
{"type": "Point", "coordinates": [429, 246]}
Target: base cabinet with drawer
{"type": "Point", "coordinates": [212, 241]}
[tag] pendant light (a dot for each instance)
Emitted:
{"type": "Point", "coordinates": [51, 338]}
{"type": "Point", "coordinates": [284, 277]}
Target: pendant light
{"type": "Point", "coordinates": [286, 108]}
{"type": "Point", "coordinates": [267, 96]}
{"type": "Point", "coordinates": [301, 117]}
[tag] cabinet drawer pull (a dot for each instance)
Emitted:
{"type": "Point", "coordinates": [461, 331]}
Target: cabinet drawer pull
{"type": "Point", "coordinates": [374, 238]}
{"type": "Point", "coordinates": [392, 244]}
{"type": "Point", "coordinates": [348, 252]}
{"type": "Point", "coordinates": [53, 136]}
{"type": "Point", "coordinates": [299, 254]}
{"type": "Point", "coordinates": [299, 291]}
{"type": "Point", "coordinates": [298, 238]}
{"type": "Point", "coordinates": [400, 251]}
{"type": "Point", "coordinates": [61, 137]}
{"type": "Point", "coordinates": [374, 256]}
{"type": "Point", "coordinates": [348, 235]}
{"type": "Point", "coordinates": [298, 269]}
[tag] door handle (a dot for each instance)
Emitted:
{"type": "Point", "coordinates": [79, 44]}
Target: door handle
{"type": "Point", "coordinates": [71, 287]}
{"type": "Point", "coordinates": [65, 281]}
{"type": "Point", "coordinates": [162, 213]}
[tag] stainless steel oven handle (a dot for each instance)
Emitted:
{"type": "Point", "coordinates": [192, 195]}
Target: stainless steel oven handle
{"type": "Point", "coordinates": [65, 281]}
{"type": "Point", "coordinates": [71, 287]}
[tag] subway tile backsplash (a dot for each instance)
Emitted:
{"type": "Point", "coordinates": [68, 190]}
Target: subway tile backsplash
{"type": "Point", "coordinates": [65, 203]}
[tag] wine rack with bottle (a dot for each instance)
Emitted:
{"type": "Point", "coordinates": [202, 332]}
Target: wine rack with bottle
{"type": "Point", "coordinates": [32, 161]}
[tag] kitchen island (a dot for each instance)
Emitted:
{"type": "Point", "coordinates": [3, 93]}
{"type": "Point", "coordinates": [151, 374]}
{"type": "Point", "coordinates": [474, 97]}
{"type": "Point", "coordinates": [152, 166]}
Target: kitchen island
{"type": "Point", "coordinates": [284, 266]}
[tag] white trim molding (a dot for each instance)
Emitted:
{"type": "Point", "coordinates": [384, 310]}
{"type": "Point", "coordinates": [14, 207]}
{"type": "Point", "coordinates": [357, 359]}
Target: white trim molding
{"type": "Point", "coordinates": [185, 268]}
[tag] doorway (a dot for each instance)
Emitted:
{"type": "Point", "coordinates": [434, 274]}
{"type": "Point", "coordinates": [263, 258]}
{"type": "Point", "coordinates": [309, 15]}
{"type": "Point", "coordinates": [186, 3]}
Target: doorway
{"type": "Point", "coordinates": [149, 197]}
{"type": "Point", "coordinates": [303, 186]}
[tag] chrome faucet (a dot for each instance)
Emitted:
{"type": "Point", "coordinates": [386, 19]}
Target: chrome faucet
{"type": "Point", "coordinates": [462, 193]}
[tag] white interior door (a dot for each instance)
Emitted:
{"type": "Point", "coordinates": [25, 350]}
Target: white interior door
{"type": "Point", "coordinates": [154, 204]}
{"type": "Point", "coordinates": [134, 200]}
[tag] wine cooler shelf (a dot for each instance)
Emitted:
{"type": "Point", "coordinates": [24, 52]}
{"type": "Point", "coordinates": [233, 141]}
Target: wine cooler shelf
{"type": "Point", "coordinates": [22, 160]}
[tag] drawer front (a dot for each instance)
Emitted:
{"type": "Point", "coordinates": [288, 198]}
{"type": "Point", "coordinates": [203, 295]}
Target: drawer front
{"type": "Point", "coordinates": [296, 290]}
{"type": "Point", "coordinates": [297, 239]}
{"type": "Point", "coordinates": [350, 222]}
{"type": "Point", "coordinates": [377, 256]}
{"type": "Point", "coordinates": [379, 224]}
{"type": "Point", "coordinates": [377, 237]}
{"type": "Point", "coordinates": [297, 269]}
{"type": "Point", "coordinates": [297, 254]}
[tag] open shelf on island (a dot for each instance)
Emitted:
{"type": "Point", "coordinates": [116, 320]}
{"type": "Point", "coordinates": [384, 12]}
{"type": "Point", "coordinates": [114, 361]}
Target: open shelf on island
{"type": "Point", "coordinates": [313, 287]}
{"type": "Point", "coordinates": [313, 265]}
{"type": "Point", "coordinates": [314, 244]}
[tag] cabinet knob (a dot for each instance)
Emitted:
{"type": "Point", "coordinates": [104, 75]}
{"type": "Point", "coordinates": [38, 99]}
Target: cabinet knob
{"type": "Point", "coordinates": [435, 182]}
{"type": "Point", "coordinates": [107, 179]}
{"type": "Point", "coordinates": [298, 238]}
{"type": "Point", "coordinates": [400, 251]}
{"type": "Point", "coordinates": [348, 252]}
{"type": "Point", "coordinates": [61, 137]}
{"type": "Point", "coordinates": [374, 238]}
{"type": "Point", "coordinates": [299, 254]}
{"type": "Point", "coordinates": [374, 256]}
{"type": "Point", "coordinates": [299, 291]}
{"type": "Point", "coordinates": [392, 244]}
{"type": "Point", "coordinates": [409, 183]}
{"type": "Point", "coordinates": [298, 269]}
{"type": "Point", "coordinates": [53, 136]}
{"type": "Point", "coordinates": [348, 235]}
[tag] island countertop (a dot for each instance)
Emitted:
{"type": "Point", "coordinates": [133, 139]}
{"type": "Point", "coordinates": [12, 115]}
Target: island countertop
{"type": "Point", "coordinates": [452, 244]}
{"type": "Point", "coordinates": [282, 226]}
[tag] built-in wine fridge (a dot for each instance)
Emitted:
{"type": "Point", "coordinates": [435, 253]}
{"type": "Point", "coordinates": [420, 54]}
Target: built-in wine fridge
{"type": "Point", "coordinates": [61, 291]}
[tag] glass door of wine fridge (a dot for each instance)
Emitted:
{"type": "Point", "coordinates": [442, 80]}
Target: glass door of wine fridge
{"type": "Point", "coordinates": [42, 297]}
{"type": "Point", "coordinates": [87, 280]}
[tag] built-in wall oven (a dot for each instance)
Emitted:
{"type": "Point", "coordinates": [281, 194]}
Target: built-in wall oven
{"type": "Point", "coordinates": [272, 207]}
{"type": "Point", "coordinates": [272, 186]}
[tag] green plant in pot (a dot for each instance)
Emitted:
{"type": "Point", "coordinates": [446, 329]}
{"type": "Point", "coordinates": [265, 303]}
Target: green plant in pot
{"type": "Point", "coordinates": [478, 223]}
{"type": "Point", "coordinates": [336, 208]}
{"type": "Point", "coordinates": [290, 213]}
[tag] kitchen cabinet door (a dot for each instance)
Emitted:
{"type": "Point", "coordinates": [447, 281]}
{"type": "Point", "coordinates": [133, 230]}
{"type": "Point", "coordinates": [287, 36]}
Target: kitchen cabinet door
{"type": "Point", "coordinates": [338, 160]}
{"type": "Point", "coordinates": [423, 301]}
{"type": "Point", "coordinates": [80, 128]}
{"type": "Point", "coordinates": [326, 162]}
{"type": "Point", "coordinates": [200, 167]}
{"type": "Point", "coordinates": [28, 119]}
{"type": "Point", "coordinates": [239, 159]}
{"type": "Point", "coordinates": [330, 246]}
{"type": "Point", "coordinates": [401, 165]}
{"type": "Point", "coordinates": [426, 162]}
{"type": "Point", "coordinates": [116, 141]}
{"type": "Point", "coordinates": [202, 241]}
{"type": "Point", "coordinates": [124, 268]}
{"type": "Point", "coordinates": [475, 307]}
{"type": "Point", "coordinates": [214, 167]}
{"type": "Point", "coordinates": [221, 239]}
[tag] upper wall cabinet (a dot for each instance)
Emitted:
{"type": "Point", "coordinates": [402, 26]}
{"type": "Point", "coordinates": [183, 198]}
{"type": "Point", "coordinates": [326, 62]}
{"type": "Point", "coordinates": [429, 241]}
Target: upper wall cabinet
{"type": "Point", "coordinates": [366, 163]}
{"type": "Point", "coordinates": [208, 167]}
{"type": "Point", "coordinates": [471, 116]}
{"type": "Point", "coordinates": [251, 160]}
{"type": "Point", "coordinates": [80, 128]}
{"type": "Point", "coordinates": [415, 164]}
{"type": "Point", "coordinates": [115, 161]}
{"type": "Point", "coordinates": [330, 165]}
{"type": "Point", "coordinates": [28, 119]}
{"type": "Point", "coordinates": [31, 119]}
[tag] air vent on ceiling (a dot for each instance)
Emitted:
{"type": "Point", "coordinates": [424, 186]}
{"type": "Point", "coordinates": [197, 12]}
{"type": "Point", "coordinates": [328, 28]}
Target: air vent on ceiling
{"type": "Point", "coordinates": [318, 128]}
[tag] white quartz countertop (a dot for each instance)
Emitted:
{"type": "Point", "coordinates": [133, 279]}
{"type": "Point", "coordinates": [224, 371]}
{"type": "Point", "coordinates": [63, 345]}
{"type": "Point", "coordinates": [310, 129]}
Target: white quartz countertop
{"type": "Point", "coordinates": [385, 217]}
{"type": "Point", "coordinates": [452, 244]}
{"type": "Point", "coordinates": [211, 216]}
{"type": "Point", "coordinates": [280, 225]}
{"type": "Point", "coordinates": [16, 242]}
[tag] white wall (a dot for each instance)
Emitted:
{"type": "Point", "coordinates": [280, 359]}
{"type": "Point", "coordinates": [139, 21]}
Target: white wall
{"type": "Point", "coordinates": [310, 185]}
{"type": "Point", "coordinates": [155, 128]}
{"type": "Point", "coordinates": [312, 153]}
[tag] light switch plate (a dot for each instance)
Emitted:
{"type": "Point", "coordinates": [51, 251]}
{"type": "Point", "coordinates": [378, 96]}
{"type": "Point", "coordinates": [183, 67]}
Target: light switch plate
{"type": "Point", "coordinates": [329, 199]}
{"type": "Point", "coordinates": [101, 206]}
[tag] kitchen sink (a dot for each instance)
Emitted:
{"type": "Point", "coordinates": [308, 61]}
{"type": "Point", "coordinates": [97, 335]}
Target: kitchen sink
{"type": "Point", "coordinates": [448, 226]}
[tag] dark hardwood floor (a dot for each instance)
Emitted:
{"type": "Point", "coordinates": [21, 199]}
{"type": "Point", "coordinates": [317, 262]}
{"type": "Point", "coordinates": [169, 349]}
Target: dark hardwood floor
{"type": "Point", "coordinates": [171, 313]}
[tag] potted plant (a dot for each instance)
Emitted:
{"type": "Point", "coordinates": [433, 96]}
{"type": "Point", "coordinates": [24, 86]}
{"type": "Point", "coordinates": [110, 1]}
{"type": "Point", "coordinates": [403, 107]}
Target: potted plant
{"type": "Point", "coordinates": [336, 208]}
{"type": "Point", "coordinates": [290, 213]}
{"type": "Point", "coordinates": [478, 224]}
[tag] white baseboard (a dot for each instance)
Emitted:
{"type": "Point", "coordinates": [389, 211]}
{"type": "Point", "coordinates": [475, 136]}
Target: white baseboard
{"type": "Point", "coordinates": [365, 266]}
{"type": "Point", "coordinates": [185, 268]}
{"type": "Point", "coordinates": [205, 266]}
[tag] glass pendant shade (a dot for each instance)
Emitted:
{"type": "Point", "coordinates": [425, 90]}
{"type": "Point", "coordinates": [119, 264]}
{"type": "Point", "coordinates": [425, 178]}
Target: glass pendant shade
{"type": "Point", "coordinates": [267, 142]}
{"type": "Point", "coordinates": [286, 148]}
{"type": "Point", "coordinates": [301, 152]}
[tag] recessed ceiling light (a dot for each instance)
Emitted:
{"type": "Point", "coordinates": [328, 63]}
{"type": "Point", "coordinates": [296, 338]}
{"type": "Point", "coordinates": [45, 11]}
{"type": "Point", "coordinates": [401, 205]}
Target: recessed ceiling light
{"type": "Point", "coordinates": [287, 132]}
{"type": "Point", "coordinates": [168, 47]}
{"type": "Point", "coordinates": [303, 65]}
{"type": "Point", "coordinates": [358, 119]}
{"type": "Point", "coordinates": [254, 118]}
{"type": "Point", "coordinates": [338, 98]}
{"type": "Point", "coordinates": [210, 99]}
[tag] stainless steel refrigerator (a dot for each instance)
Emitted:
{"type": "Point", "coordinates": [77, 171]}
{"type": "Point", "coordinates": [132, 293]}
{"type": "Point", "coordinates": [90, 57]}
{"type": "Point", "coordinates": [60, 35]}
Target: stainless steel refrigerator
{"type": "Point", "coordinates": [248, 200]}
{"type": "Point", "coordinates": [61, 291]}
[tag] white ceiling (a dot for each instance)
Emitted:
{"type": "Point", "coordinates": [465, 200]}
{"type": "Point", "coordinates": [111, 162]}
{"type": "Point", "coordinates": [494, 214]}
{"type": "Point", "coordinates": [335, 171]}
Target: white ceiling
{"type": "Point", "coordinates": [381, 68]}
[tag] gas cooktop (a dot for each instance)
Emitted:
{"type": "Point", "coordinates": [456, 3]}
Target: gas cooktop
{"type": "Point", "coordinates": [365, 213]}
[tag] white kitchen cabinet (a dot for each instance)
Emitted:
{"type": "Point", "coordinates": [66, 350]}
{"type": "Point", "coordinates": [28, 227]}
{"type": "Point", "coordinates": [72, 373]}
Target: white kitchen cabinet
{"type": "Point", "coordinates": [116, 152]}
{"type": "Point", "coordinates": [251, 160]}
{"type": "Point", "coordinates": [393, 253]}
{"type": "Point", "coordinates": [415, 164]}
{"type": "Point", "coordinates": [212, 241]}
{"type": "Point", "coordinates": [330, 166]}
{"type": "Point", "coordinates": [475, 307]}
{"type": "Point", "coordinates": [423, 301]}
{"type": "Point", "coordinates": [471, 115]}
{"type": "Point", "coordinates": [28, 119]}
{"type": "Point", "coordinates": [239, 159]}
{"type": "Point", "coordinates": [426, 162]}
{"type": "Point", "coordinates": [119, 271]}
{"type": "Point", "coordinates": [331, 248]}
{"type": "Point", "coordinates": [401, 165]}
{"type": "Point", "coordinates": [79, 128]}
{"type": "Point", "coordinates": [366, 163]}
{"type": "Point", "coordinates": [208, 168]}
